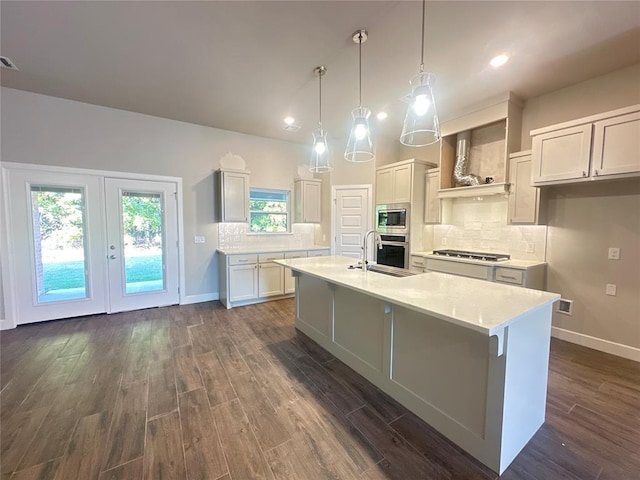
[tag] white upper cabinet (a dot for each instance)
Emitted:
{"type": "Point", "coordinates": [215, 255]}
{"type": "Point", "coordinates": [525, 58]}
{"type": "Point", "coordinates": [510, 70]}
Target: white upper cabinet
{"type": "Point", "coordinates": [401, 182]}
{"type": "Point", "coordinates": [603, 146]}
{"type": "Point", "coordinates": [308, 201]}
{"type": "Point", "coordinates": [616, 145]}
{"type": "Point", "coordinates": [232, 188]}
{"type": "Point", "coordinates": [524, 200]}
{"type": "Point", "coordinates": [431, 200]}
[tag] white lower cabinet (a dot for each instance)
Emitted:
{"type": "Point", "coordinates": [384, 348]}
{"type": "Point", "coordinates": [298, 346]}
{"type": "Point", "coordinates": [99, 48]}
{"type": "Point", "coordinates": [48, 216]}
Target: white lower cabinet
{"type": "Point", "coordinates": [270, 279]}
{"type": "Point", "coordinates": [247, 278]}
{"type": "Point", "coordinates": [243, 282]}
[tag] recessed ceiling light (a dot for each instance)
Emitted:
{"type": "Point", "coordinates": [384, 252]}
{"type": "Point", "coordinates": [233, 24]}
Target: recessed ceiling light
{"type": "Point", "coordinates": [289, 120]}
{"type": "Point", "coordinates": [499, 60]}
{"type": "Point", "coordinates": [381, 115]}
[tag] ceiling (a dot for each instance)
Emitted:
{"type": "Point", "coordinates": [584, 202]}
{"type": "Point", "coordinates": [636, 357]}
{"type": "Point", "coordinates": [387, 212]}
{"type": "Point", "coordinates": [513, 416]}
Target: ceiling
{"type": "Point", "coordinates": [244, 65]}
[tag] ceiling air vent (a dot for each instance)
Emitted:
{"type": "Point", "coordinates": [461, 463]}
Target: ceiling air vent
{"type": "Point", "coordinates": [7, 63]}
{"type": "Point", "coordinates": [565, 306]}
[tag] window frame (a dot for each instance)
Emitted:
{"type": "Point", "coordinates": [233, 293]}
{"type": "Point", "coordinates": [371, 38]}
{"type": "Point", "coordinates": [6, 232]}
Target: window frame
{"type": "Point", "coordinates": [287, 213]}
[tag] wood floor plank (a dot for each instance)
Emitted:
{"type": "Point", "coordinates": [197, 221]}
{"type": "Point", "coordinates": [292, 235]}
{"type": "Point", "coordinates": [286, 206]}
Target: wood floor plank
{"type": "Point", "coordinates": [203, 453]}
{"type": "Point", "coordinates": [163, 396]}
{"type": "Point", "coordinates": [439, 450]}
{"type": "Point", "coordinates": [404, 461]}
{"type": "Point", "coordinates": [294, 460]}
{"type": "Point", "coordinates": [380, 402]}
{"type": "Point", "coordinates": [127, 431]}
{"type": "Point", "coordinates": [241, 449]}
{"type": "Point", "coordinates": [229, 356]}
{"type": "Point", "coordinates": [178, 333]}
{"type": "Point", "coordinates": [17, 434]}
{"type": "Point", "coordinates": [273, 384]}
{"type": "Point", "coordinates": [83, 456]}
{"type": "Point", "coordinates": [203, 338]}
{"type": "Point", "coordinates": [335, 390]}
{"type": "Point", "coordinates": [214, 377]}
{"type": "Point", "coordinates": [163, 455]}
{"type": "Point", "coordinates": [41, 395]}
{"type": "Point", "coordinates": [269, 428]}
{"type": "Point", "coordinates": [160, 348]}
{"type": "Point", "coordinates": [51, 439]}
{"type": "Point", "coordinates": [44, 471]}
{"type": "Point", "coordinates": [186, 370]}
{"type": "Point", "coordinates": [129, 471]}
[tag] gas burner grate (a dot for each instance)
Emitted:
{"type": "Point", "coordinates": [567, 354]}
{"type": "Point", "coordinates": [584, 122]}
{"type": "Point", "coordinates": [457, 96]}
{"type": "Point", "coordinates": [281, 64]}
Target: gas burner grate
{"type": "Point", "coordinates": [487, 257]}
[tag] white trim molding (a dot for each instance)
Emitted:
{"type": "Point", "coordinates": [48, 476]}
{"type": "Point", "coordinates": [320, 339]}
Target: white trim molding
{"type": "Point", "coordinates": [203, 297]}
{"type": "Point", "coordinates": [606, 346]}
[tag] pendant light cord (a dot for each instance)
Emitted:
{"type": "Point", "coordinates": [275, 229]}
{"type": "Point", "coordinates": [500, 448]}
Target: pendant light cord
{"type": "Point", "coordinates": [320, 96]}
{"type": "Point", "coordinates": [422, 45]}
{"type": "Point", "coordinates": [360, 66]}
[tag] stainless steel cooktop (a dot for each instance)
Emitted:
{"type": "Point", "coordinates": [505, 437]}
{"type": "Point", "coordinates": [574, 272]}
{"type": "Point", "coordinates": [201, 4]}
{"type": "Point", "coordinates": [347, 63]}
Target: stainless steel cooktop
{"type": "Point", "coordinates": [487, 257]}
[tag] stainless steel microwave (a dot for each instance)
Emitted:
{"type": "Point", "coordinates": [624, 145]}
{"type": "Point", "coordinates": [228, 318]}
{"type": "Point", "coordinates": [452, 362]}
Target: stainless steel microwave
{"type": "Point", "coordinates": [393, 218]}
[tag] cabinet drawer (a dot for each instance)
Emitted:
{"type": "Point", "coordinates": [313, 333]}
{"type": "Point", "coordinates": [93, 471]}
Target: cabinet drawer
{"type": "Point", "coordinates": [301, 254]}
{"type": "Point", "coordinates": [417, 261]}
{"type": "Point", "coordinates": [270, 257]}
{"type": "Point", "coordinates": [318, 253]}
{"type": "Point", "coordinates": [509, 275]}
{"type": "Point", "coordinates": [243, 259]}
{"type": "Point", "coordinates": [459, 268]}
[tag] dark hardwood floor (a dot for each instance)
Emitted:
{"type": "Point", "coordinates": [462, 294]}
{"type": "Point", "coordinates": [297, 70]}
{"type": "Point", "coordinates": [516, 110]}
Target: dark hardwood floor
{"type": "Point", "coordinates": [200, 392]}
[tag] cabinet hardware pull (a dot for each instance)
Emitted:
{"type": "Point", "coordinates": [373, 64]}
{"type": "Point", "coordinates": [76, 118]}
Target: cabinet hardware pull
{"type": "Point", "coordinates": [595, 172]}
{"type": "Point", "coordinates": [509, 277]}
{"type": "Point", "coordinates": [584, 173]}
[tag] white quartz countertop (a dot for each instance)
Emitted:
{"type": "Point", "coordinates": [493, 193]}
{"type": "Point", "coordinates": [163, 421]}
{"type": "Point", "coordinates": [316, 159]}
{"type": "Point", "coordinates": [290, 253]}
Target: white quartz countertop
{"type": "Point", "coordinates": [512, 263]}
{"type": "Point", "coordinates": [266, 249]}
{"type": "Point", "coordinates": [476, 304]}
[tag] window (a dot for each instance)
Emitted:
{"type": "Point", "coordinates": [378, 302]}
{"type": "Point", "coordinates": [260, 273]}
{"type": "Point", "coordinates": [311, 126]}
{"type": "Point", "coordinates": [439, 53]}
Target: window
{"type": "Point", "coordinates": [269, 211]}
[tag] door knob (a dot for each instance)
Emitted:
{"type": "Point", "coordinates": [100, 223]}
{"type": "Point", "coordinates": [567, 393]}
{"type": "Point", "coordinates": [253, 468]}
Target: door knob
{"type": "Point", "coordinates": [112, 247]}
{"type": "Point", "coordinates": [112, 257]}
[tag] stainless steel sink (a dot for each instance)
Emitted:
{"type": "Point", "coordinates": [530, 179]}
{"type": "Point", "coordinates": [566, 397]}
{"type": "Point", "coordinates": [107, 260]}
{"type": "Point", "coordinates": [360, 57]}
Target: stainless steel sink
{"type": "Point", "coordinates": [386, 270]}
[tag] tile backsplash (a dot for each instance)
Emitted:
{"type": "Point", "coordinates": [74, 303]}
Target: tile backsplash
{"type": "Point", "coordinates": [236, 235]}
{"type": "Point", "coordinates": [480, 224]}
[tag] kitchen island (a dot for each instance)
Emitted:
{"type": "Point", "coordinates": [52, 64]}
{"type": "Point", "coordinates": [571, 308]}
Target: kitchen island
{"type": "Point", "coordinates": [467, 356]}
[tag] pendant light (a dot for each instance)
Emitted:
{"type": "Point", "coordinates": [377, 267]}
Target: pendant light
{"type": "Point", "coordinates": [421, 126]}
{"type": "Point", "coordinates": [359, 147]}
{"type": "Point", "coordinates": [320, 152]}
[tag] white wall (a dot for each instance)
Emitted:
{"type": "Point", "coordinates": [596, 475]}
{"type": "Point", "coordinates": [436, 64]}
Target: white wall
{"type": "Point", "coordinates": [46, 130]}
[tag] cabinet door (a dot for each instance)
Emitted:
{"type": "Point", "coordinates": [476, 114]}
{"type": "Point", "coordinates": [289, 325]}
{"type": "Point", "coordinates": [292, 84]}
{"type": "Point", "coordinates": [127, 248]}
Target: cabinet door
{"type": "Point", "coordinates": [270, 280]}
{"type": "Point", "coordinates": [311, 202]}
{"type": "Point", "coordinates": [561, 155]}
{"type": "Point", "coordinates": [235, 197]}
{"type": "Point", "coordinates": [524, 200]}
{"type": "Point", "coordinates": [616, 146]}
{"type": "Point", "coordinates": [431, 200]}
{"type": "Point", "coordinates": [384, 186]}
{"type": "Point", "coordinates": [402, 183]}
{"type": "Point", "coordinates": [243, 282]}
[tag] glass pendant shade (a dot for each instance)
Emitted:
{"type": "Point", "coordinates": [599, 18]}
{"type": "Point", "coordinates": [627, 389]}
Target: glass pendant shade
{"type": "Point", "coordinates": [421, 125]}
{"type": "Point", "coordinates": [360, 147]}
{"type": "Point", "coordinates": [320, 153]}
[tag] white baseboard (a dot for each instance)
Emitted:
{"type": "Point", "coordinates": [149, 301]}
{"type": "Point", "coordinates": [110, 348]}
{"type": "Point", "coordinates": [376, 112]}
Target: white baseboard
{"type": "Point", "coordinates": [606, 346]}
{"type": "Point", "coordinates": [6, 324]}
{"type": "Point", "coordinates": [203, 297]}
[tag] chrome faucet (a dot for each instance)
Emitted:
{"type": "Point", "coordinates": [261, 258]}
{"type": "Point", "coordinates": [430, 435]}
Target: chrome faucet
{"type": "Point", "coordinates": [377, 239]}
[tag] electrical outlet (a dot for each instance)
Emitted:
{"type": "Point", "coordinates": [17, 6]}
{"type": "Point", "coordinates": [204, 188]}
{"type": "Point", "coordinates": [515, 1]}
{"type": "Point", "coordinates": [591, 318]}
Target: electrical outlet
{"type": "Point", "coordinates": [198, 239]}
{"type": "Point", "coordinates": [611, 289]}
{"type": "Point", "coordinates": [530, 248]}
{"type": "Point", "coordinates": [444, 241]}
{"type": "Point", "coordinates": [614, 253]}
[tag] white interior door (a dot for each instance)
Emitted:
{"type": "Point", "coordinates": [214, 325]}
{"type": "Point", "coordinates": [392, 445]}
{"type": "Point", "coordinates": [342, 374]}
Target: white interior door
{"type": "Point", "coordinates": [351, 218]}
{"type": "Point", "coordinates": [142, 239]}
{"type": "Point", "coordinates": [56, 237]}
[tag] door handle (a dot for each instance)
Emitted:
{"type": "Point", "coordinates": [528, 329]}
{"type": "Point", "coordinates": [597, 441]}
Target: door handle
{"type": "Point", "coordinates": [112, 257]}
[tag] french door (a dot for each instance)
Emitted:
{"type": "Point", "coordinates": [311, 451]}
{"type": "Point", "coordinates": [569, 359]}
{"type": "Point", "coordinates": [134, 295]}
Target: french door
{"type": "Point", "coordinates": [142, 239]}
{"type": "Point", "coordinates": [82, 244]}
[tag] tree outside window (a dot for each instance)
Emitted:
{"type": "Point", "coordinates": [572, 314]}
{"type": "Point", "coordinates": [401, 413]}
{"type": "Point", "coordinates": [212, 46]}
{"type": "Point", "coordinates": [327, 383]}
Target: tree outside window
{"type": "Point", "coordinates": [269, 211]}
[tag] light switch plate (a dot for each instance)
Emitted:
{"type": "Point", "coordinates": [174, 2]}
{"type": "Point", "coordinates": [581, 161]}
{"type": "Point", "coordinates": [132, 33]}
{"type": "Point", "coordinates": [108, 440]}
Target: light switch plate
{"type": "Point", "coordinates": [198, 239]}
{"type": "Point", "coordinates": [614, 253]}
{"type": "Point", "coordinates": [611, 289]}
{"type": "Point", "coordinates": [530, 247]}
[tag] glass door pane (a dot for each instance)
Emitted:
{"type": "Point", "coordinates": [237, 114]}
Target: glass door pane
{"type": "Point", "coordinates": [142, 227]}
{"type": "Point", "coordinates": [58, 219]}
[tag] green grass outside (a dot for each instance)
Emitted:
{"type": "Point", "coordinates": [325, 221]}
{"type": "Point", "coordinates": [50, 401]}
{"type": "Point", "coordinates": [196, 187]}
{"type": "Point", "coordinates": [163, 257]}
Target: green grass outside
{"type": "Point", "coordinates": [62, 275]}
